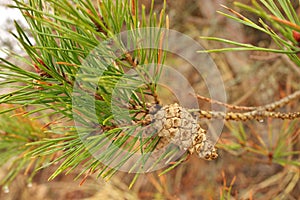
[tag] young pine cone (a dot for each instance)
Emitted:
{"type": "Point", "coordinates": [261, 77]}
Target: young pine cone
{"type": "Point", "coordinates": [174, 124]}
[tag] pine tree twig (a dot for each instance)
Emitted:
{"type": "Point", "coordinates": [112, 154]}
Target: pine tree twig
{"type": "Point", "coordinates": [282, 102]}
{"type": "Point", "coordinates": [131, 60]}
{"type": "Point", "coordinates": [234, 107]}
{"type": "Point", "coordinates": [268, 107]}
{"type": "Point", "coordinates": [253, 115]}
{"type": "Point", "coordinates": [134, 62]}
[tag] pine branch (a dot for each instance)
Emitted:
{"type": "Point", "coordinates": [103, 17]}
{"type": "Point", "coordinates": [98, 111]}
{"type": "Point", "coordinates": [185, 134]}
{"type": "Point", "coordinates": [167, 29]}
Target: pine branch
{"type": "Point", "coordinates": [269, 107]}
{"type": "Point", "coordinates": [253, 115]}
{"type": "Point", "coordinates": [65, 33]}
{"type": "Point", "coordinates": [69, 82]}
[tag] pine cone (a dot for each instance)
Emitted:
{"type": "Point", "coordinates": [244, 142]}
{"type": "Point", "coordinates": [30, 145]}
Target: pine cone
{"type": "Point", "coordinates": [174, 124]}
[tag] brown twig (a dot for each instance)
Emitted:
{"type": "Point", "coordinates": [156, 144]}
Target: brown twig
{"type": "Point", "coordinates": [234, 107]}
{"type": "Point", "coordinates": [268, 107]}
{"type": "Point", "coordinates": [253, 115]}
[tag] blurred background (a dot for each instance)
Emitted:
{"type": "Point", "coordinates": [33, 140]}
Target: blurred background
{"type": "Point", "coordinates": [250, 78]}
